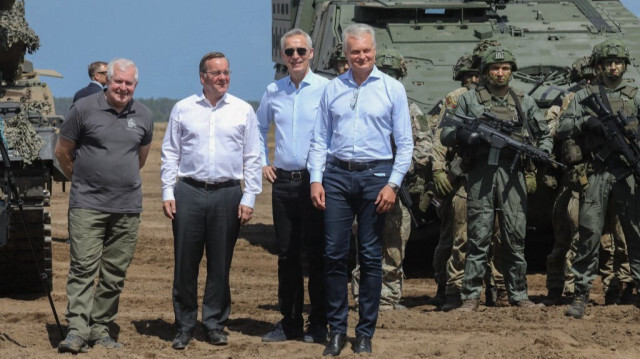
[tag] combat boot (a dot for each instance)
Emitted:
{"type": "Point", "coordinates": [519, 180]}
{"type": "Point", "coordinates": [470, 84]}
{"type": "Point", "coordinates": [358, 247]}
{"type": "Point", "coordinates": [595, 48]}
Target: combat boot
{"type": "Point", "coordinates": [578, 306]}
{"type": "Point", "coordinates": [440, 297]}
{"type": "Point", "coordinates": [453, 302]}
{"type": "Point", "coordinates": [612, 297]}
{"type": "Point", "coordinates": [469, 305]}
{"type": "Point", "coordinates": [525, 303]}
{"type": "Point", "coordinates": [490, 296]}
{"type": "Point", "coordinates": [627, 294]}
{"type": "Point", "coordinates": [502, 300]}
{"type": "Point", "coordinates": [554, 297]}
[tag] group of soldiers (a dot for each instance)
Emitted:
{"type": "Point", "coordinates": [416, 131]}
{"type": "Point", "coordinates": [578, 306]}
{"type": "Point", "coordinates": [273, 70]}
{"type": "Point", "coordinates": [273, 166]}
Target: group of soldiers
{"type": "Point", "coordinates": [581, 149]}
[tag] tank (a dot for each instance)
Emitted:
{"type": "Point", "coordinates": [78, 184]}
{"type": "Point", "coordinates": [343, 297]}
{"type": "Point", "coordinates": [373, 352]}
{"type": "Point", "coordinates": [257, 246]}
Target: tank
{"type": "Point", "coordinates": [29, 127]}
{"type": "Point", "coordinates": [545, 35]}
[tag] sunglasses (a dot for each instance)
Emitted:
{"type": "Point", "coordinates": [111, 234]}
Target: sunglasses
{"type": "Point", "coordinates": [300, 50]}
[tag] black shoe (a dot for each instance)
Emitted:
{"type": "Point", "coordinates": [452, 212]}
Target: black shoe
{"type": "Point", "coordinates": [627, 294]}
{"type": "Point", "coordinates": [362, 344]}
{"type": "Point", "coordinates": [216, 337]}
{"type": "Point", "coordinates": [279, 334]}
{"type": "Point", "coordinates": [181, 341]}
{"type": "Point", "coordinates": [578, 306]}
{"type": "Point", "coordinates": [453, 302]}
{"type": "Point", "coordinates": [315, 333]}
{"type": "Point", "coordinates": [335, 345]}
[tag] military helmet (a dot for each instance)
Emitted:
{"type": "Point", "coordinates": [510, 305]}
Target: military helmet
{"type": "Point", "coordinates": [480, 48]}
{"type": "Point", "coordinates": [336, 55]}
{"type": "Point", "coordinates": [497, 54]}
{"type": "Point", "coordinates": [391, 62]}
{"type": "Point", "coordinates": [581, 69]}
{"type": "Point", "coordinates": [464, 65]}
{"type": "Point", "coordinates": [612, 48]}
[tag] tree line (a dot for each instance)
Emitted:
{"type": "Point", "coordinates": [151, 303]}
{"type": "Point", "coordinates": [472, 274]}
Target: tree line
{"type": "Point", "coordinates": [160, 107]}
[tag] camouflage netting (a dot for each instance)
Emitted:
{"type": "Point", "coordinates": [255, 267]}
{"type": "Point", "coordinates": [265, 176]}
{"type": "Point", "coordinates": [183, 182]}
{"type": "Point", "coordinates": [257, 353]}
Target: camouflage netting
{"type": "Point", "coordinates": [20, 135]}
{"type": "Point", "coordinates": [15, 30]}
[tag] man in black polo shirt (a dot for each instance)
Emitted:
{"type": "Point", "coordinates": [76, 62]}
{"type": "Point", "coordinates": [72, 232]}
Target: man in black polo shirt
{"type": "Point", "coordinates": [103, 144]}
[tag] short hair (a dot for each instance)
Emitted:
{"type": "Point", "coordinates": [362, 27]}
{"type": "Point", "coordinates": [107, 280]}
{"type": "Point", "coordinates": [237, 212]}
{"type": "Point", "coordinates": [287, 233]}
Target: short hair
{"type": "Point", "coordinates": [209, 56]}
{"type": "Point", "coordinates": [94, 66]}
{"type": "Point", "coordinates": [357, 30]}
{"type": "Point", "coordinates": [122, 64]}
{"type": "Point", "coordinates": [294, 32]}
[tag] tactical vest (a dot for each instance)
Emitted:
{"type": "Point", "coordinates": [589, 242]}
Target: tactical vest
{"type": "Point", "coordinates": [508, 113]}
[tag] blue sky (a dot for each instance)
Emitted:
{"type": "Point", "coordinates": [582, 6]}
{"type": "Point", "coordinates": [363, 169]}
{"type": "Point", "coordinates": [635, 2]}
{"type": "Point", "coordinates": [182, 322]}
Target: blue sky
{"type": "Point", "coordinates": [166, 39]}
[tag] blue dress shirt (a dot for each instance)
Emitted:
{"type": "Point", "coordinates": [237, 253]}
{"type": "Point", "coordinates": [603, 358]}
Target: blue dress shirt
{"type": "Point", "coordinates": [355, 124]}
{"type": "Point", "coordinates": [294, 113]}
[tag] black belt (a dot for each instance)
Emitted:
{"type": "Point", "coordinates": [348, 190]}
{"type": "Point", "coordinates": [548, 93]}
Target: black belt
{"type": "Point", "coordinates": [210, 186]}
{"type": "Point", "coordinates": [292, 175]}
{"type": "Point", "coordinates": [358, 166]}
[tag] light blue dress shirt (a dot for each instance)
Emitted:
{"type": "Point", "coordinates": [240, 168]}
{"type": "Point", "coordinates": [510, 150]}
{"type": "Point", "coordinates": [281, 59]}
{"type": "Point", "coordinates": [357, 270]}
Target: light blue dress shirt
{"type": "Point", "coordinates": [294, 113]}
{"type": "Point", "coordinates": [355, 124]}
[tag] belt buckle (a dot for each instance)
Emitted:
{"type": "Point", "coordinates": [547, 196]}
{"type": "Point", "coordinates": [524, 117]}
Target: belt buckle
{"type": "Point", "coordinates": [296, 175]}
{"type": "Point", "coordinates": [349, 166]}
{"type": "Point", "coordinates": [206, 184]}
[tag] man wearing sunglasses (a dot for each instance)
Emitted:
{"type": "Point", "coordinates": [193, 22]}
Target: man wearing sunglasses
{"type": "Point", "coordinates": [354, 175]}
{"type": "Point", "coordinates": [292, 103]}
{"type": "Point", "coordinates": [98, 76]}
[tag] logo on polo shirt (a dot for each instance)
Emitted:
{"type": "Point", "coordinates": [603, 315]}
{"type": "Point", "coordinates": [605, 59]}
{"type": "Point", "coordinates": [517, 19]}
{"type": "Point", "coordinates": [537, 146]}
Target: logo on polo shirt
{"type": "Point", "coordinates": [131, 123]}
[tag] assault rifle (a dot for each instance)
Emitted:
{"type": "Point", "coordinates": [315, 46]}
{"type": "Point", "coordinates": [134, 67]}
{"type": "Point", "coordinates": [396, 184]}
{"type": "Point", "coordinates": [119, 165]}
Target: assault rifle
{"type": "Point", "coordinates": [498, 134]}
{"type": "Point", "coordinates": [405, 198]}
{"type": "Point", "coordinates": [617, 138]}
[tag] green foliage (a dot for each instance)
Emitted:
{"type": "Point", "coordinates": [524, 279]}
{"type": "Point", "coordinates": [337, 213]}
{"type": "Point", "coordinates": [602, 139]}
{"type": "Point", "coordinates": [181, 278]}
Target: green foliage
{"type": "Point", "coordinates": [160, 107]}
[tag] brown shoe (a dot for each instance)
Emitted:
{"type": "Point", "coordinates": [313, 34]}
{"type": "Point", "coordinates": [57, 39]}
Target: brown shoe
{"type": "Point", "coordinates": [526, 303]}
{"type": "Point", "coordinates": [469, 305]}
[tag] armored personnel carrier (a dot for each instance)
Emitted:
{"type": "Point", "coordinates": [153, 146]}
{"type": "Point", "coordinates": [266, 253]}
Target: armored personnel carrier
{"type": "Point", "coordinates": [28, 128]}
{"type": "Point", "coordinates": [545, 35]}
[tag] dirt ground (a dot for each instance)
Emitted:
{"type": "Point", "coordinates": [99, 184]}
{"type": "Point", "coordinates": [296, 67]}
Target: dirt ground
{"type": "Point", "coordinates": [145, 321]}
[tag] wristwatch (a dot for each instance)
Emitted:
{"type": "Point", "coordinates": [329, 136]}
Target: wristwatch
{"type": "Point", "coordinates": [393, 186]}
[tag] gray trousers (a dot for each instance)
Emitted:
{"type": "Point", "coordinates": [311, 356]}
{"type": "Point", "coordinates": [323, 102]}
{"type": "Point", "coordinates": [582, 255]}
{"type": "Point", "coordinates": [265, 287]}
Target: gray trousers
{"type": "Point", "coordinates": [204, 220]}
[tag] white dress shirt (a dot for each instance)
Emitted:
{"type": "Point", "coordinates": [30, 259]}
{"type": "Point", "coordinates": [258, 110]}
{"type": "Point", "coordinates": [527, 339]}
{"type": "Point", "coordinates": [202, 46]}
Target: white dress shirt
{"type": "Point", "coordinates": [212, 144]}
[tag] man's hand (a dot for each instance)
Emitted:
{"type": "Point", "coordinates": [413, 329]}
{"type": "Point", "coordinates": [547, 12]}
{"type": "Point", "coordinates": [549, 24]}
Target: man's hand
{"type": "Point", "coordinates": [269, 173]}
{"type": "Point", "coordinates": [386, 199]}
{"type": "Point", "coordinates": [169, 208]}
{"type": "Point", "coordinates": [317, 196]}
{"type": "Point", "coordinates": [244, 214]}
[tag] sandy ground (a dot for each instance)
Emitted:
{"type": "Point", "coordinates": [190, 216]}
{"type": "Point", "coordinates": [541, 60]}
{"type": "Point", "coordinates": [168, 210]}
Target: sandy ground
{"type": "Point", "coordinates": [145, 321]}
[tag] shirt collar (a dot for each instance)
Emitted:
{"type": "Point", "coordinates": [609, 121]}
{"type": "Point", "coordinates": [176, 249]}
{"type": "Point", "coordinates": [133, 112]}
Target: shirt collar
{"type": "Point", "coordinates": [308, 79]}
{"type": "Point", "coordinates": [104, 105]}
{"type": "Point", "coordinates": [374, 75]}
{"type": "Point", "coordinates": [97, 83]}
{"type": "Point", "coordinates": [203, 99]}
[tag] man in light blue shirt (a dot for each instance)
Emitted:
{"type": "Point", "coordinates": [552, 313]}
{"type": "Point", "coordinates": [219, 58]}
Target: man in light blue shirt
{"type": "Point", "coordinates": [354, 173]}
{"type": "Point", "coordinates": [292, 103]}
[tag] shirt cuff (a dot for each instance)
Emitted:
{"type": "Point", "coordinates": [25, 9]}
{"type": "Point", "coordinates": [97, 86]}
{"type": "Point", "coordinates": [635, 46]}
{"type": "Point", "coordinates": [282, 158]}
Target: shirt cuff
{"type": "Point", "coordinates": [167, 194]}
{"type": "Point", "coordinates": [396, 178]}
{"type": "Point", "coordinates": [248, 199]}
{"type": "Point", "coordinates": [316, 177]}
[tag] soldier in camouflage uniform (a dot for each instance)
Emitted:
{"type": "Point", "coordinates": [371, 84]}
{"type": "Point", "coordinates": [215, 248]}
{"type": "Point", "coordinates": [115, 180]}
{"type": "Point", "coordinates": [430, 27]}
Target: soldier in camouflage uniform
{"type": "Point", "coordinates": [337, 60]}
{"type": "Point", "coordinates": [398, 221]}
{"type": "Point", "coordinates": [608, 180]}
{"type": "Point", "coordinates": [449, 182]}
{"type": "Point", "coordinates": [492, 188]}
{"type": "Point", "coordinates": [614, 265]}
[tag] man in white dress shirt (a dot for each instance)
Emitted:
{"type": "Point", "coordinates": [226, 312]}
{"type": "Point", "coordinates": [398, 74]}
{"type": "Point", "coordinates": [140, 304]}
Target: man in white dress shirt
{"type": "Point", "coordinates": [211, 144]}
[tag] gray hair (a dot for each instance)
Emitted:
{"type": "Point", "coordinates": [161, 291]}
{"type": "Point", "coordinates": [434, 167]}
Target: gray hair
{"type": "Point", "coordinates": [122, 65]}
{"type": "Point", "coordinates": [294, 32]}
{"type": "Point", "coordinates": [357, 30]}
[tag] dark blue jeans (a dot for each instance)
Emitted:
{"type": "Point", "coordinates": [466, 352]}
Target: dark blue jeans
{"type": "Point", "coordinates": [349, 194]}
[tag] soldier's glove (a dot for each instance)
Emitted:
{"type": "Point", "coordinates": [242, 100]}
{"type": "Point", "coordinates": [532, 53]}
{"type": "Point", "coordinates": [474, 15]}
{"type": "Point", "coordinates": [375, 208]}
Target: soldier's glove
{"type": "Point", "coordinates": [441, 183]}
{"type": "Point", "coordinates": [530, 179]}
{"type": "Point", "coordinates": [594, 125]}
{"type": "Point", "coordinates": [467, 138]}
